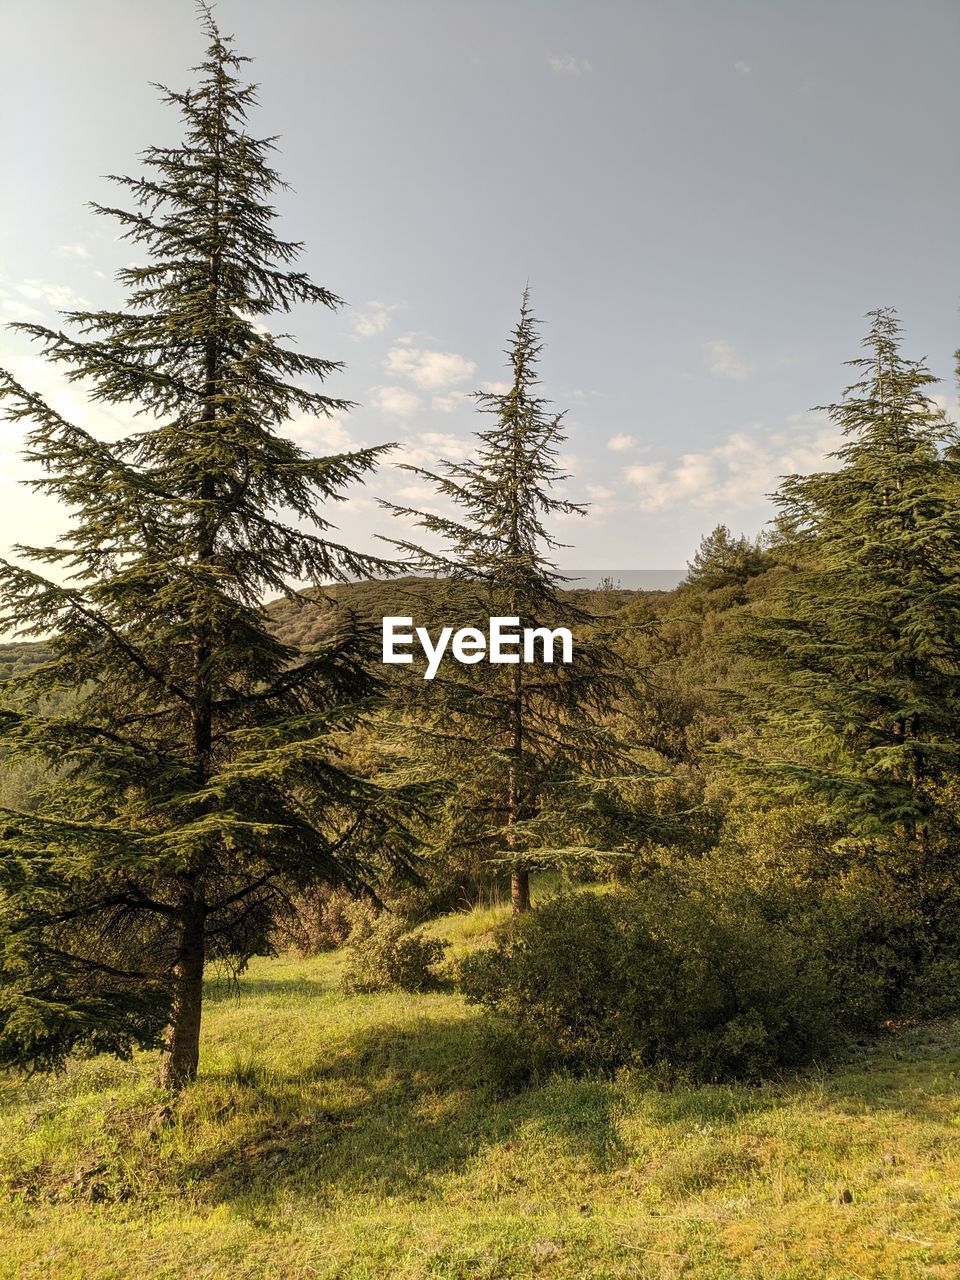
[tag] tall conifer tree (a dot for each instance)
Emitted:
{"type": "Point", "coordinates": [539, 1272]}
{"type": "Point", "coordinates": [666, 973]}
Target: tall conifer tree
{"type": "Point", "coordinates": [196, 767]}
{"type": "Point", "coordinates": [522, 729]}
{"type": "Point", "coordinates": [861, 646]}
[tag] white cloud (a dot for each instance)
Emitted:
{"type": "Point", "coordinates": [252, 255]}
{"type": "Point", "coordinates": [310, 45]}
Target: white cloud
{"type": "Point", "coordinates": [70, 400]}
{"type": "Point", "coordinates": [565, 64]}
{"type": "Point", "coordinates": [73, 251]}
{"type": "Point", "coordinates": [740, 471]}
{"type": "Point", "coordinates": [367, 324]}
{"type": "Point", "coordinates": [430, 370]}
{"type": "Point", "coordinates": [13, 309]}
{"type": "Point", "coordinates": [398, 402]}
{"type": "Point", "coordinates": [723, 360]}
{"type": "Point", "coordinates": [571, 463]}
{"type": "Point", "coordinates": [742, 68]}
{"type": "Point", "coordinates": [415, 493]}
{"type": "Point", "coordinates": [426, 448]}
{"type": "Point", "coordinates": [621, 442]}
{"type": "Point", "coordinates": [318, 434]}
{"type": "Point", "coordinates": [497, 388]}
{"type": "Point", "coordinates": [448, 403]}
{"type": "Point", "coordinates": [256, 325]}
{"type": "Point", "coordinates": [599, 493]}
{"type": "Point", "coordinates": [55, 295]}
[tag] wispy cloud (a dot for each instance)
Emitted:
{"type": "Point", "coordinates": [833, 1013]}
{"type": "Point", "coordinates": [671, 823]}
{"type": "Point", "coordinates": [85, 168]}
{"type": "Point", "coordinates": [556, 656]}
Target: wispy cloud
{"type": "Point", "coordinates": [949, 405]}
{"type": "Point", "coordinates": [54, 295]}
{"type": "Point", "coordinates": [426, 448]}
{"type": "Point", "coordinates": [430, 370]}
{"type": "Point", "coordinates": [599, 493]}
{"type": "Point", "coordinates": [742, 68]}
{"type": "Point", "coordinates": [397, 402]}
{"type": "Point", "coordinates": [723, 360]}
{"type": "Point", "coordinates": [621, 442]}
{"type": "Point", "coordinates": [70, 400]}
{"type": "Point", "coordinates": [740, 471]}
{"type": "Point", "coordinates": [318, 434]}
{"type": "Point", "coordinates": [73, 251]}
{"type": "Point", "coordinates": [376, 317]}
{"type": "Point", "coordinates": [566, 64]}
{"type": "Point", "coordinates": [448, 403]}
{"type": "Point", "coordinates": [14, 309]}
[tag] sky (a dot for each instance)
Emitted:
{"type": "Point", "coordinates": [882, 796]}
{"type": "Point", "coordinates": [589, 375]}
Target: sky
{"type": "Point", "coordinates": [705, 196]}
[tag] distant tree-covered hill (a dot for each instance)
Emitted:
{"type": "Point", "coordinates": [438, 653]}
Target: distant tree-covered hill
{"type": "Point", "coordinates": [311, 617]}
{"type": "Point", "coordinates": [17, 657]}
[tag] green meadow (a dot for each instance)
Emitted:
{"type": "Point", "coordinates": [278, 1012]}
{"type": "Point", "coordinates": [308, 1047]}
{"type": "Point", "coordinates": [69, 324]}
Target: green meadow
{"type": "Point", "coordinates": [365, 1137]}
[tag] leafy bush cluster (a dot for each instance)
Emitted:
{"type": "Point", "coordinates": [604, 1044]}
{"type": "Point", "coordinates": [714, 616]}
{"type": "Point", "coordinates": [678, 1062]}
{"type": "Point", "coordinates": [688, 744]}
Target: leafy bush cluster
{"type": "Point", "coordinates": [706, 975]}
{"type": "Point", "coordinates": [317, 919]}
{"type": "Point", "coordinates": [385, 955]}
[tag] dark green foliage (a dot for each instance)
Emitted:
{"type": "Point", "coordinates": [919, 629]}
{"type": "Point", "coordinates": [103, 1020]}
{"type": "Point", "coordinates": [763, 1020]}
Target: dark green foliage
{"type": "Point", "coordinates": [510, 736]}
{"type": "Point", "coordinates": [856, 663]}
{"type": "Point", "coordinates": [314, 919]}
{"type": "Point", "coordinates": [722, 560]}
{"type": "Point", "coordinates": [888, 926]}
{"type": "Point", "coordinates": [669, 977]}
{"type": "Point", "coordinates": [198, 763]}
{"type": "Point", "coordinates": [384, 955]}
{"type": "Point", "coordinates": [764, 955]}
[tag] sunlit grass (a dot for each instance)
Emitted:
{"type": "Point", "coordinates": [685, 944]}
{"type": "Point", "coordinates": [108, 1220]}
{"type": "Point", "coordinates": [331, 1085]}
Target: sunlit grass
{"type": "Point", "coordinates": [362, 1137]}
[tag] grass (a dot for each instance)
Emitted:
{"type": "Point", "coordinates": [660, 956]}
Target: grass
{"type": "Point", "coordinates": [363, 1138]}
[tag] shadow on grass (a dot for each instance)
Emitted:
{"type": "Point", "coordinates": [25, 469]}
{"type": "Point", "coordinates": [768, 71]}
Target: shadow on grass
{"type": "Point", "coordinates": [907, 1072]}
{"type": "Point", "coordinates": [404, 1102]}
{"type": "Point", "coordinates": [219, 990]}
{"type": "Point", "coordinates": [400, 1104]}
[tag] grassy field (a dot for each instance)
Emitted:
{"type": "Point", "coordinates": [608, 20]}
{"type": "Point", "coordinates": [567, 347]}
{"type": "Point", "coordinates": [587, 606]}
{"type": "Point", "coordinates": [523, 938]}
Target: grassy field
{"type": "Point", "coordinates": [360, 1137]}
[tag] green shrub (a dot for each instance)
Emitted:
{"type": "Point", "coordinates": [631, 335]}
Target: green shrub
{"type": "Point", "coordinates": [885, 916]}
{"type": "Point", "coordinates": [893, 941]}
{"type": "Point", "coordinates": [384, 955]}
{"type": "Point", "coordinates": [666, 977]}
{"type": "Point", "coordinates": [314, 920]}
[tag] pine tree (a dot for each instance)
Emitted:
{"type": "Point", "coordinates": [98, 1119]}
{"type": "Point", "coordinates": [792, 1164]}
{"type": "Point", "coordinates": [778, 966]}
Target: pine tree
{"type": "Point", "coordinates": [861, 647]}
{"type": "Point", "coordinates": [510, 733]}
{"type": "Point", "coordinates": [721, 560]}
{"type": "Point", "coordinates": [196, 765]}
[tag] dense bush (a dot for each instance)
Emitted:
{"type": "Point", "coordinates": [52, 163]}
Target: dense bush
{"type": "Point", "coordinates": [885, 917]}
{"type": "Point", "coordinates": [666, 978]}
{"type": "Point", "coordinates": [384, 955]}
{"type": "Point", "coordinates": [766, 953]}
{"type": "Point", "coordinates": [314, 920]}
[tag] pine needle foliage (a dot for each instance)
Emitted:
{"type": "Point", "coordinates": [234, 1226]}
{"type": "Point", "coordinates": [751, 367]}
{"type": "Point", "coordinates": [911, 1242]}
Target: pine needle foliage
{"type": "Point", "coordinates": [722, 560]}
{"type": "Point", "coordinates": [514, 736]}
{"type": "Point", "coordinates": [860, 651]}
{"type": "Point", "coordinates": [197, 767]}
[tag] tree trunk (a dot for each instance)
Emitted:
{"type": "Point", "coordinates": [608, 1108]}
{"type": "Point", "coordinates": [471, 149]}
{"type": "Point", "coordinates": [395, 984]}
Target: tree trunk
{"type": "Point", "coordinates": [519, 876]}
{"type": "Point", "coordinates": [520, 891]}
{"type": "Point", "coordinates": [182, 1050]}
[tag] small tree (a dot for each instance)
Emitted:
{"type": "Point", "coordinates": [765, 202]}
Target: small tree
{"type": "Point", "coordinates": [721, 560]}
{"type": "Point", "coordinates": [197, 767]}
{"type": "Point", "coordinates": [860, 649]}
{"type": "Point", "coordinates": [513, 734]}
